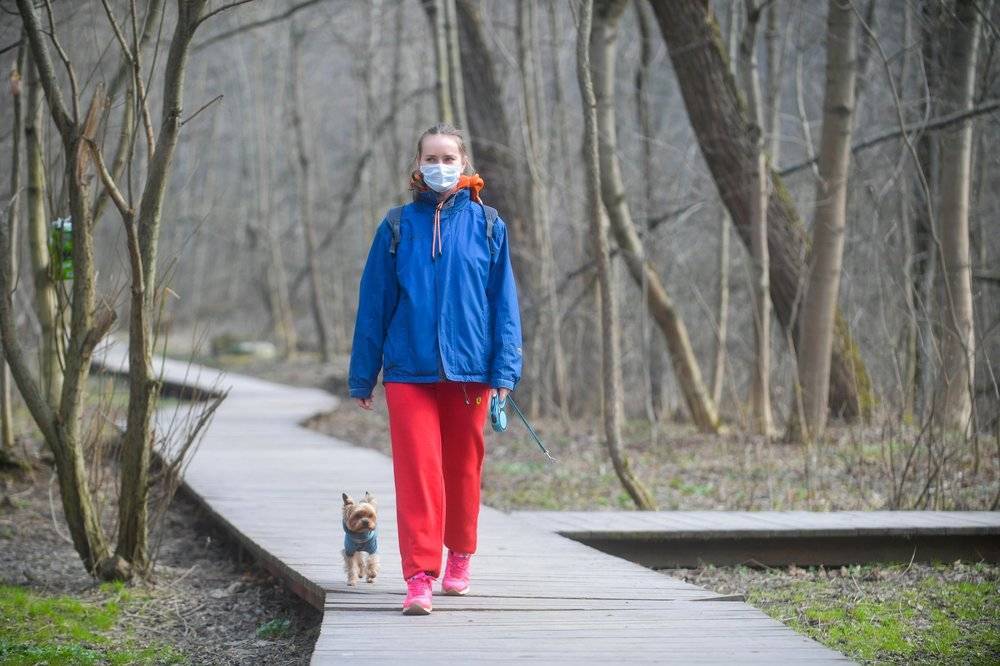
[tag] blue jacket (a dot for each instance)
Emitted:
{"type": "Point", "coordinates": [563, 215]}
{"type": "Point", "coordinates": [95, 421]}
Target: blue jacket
{"type": "Point", "coordinates": [453, 317]}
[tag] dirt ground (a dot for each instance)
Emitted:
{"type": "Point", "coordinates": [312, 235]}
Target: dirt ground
{"type": "Point", "coordinates": [207, 599]}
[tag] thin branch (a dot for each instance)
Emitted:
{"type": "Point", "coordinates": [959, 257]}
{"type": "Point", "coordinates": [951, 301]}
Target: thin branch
{"type": "Point", "coordinates": [109, 181]}
{"type": "Point", "coordinates": [203, 107]}
{"type": "Point", "coordinates": [219, 11]}
{"type": "Point", "coordinates": [74, 88]}
{"type": "Point", "coordinates": [256, 24]}
{"type": "Point", "coordinates": [46, 73]}
{"type": "Point", "coordinates": [10, 47]}
{"type": "Point", "coordinates": [939, 123]}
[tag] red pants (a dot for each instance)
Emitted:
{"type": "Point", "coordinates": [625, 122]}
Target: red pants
{"type": "Point", "coordinates": [437, 463]}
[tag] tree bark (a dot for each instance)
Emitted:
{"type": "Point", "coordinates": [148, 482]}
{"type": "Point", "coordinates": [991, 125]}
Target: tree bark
{"type": "Point", "coordinates": [654, 369]}
{"type": "Point", "coordinates": [46, 299]}
{"type": "Point", "coordinates": [489, 129]}
{"type": "Point", "coordinates": [610, 356]}
{"type": "Point", "coordinates": [719, 118]}
{"type": "Point", "coordinates": [435, 11]}
{"type": "Point", "coordinates": [956, 377]}
{"type": "Point", "coordinates": [760, 384]}
{"type": "Point", "coordinates": [454, 65]}
{"type": "Point", "coordinates": [819, 306]}
{"type": "Point", "coordinates": [603, 47]}
{"type": "Point", "coordinates": [12, 220]}
{"type": "Point", "coordinates": [549, 333]}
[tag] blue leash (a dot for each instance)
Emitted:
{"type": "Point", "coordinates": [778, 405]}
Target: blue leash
{"type": "Point", "coordinates": [498, 418]}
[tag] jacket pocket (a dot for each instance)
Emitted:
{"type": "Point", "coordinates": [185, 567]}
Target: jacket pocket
{"type": "Point", "coordinates": [395, 344]}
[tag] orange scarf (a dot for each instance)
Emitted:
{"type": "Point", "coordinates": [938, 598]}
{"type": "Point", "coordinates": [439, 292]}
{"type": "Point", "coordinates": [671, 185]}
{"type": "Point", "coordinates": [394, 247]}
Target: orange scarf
{"type": "Point", "coordinates": [474, 182]}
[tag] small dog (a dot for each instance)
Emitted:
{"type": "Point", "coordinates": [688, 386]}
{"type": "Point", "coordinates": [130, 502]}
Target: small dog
{"type": "Point", "coordinates": [360, 539]}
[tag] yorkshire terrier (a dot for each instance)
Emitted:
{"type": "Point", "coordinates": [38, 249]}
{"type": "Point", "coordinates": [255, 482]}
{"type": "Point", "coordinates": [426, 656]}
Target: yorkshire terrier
{"type": "Point", "coordinates": [360, 539]}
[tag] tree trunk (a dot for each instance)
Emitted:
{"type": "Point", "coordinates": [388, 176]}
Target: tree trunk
{"type": "Point", "coordinates": [46, 298]}
{"type": "Point", "coordinates": [610, 358]}
{"type": "Point", "coordinates": [956, 377]}
{"type": "Point", "coordinates": [654, 367]}
{"type": "Point", "coordinates": [603, 47]}
{"type": "Point", "coordinates": [719, 118]}
{"type": "Point", "coordinates": [12, 219]}
{"type": "Point", "coordinates": [274, 286]}
{"type": "Point", "coordinates": [306, 203]}
{"type": "Point", "coordinates": [60, 424]}
{"type": "Point", "coordinates": [435, 10]}
{"type": "Point", "coordinates": [722, 312]}
{"type": "Point", "coordinates": [143, 238]}
{"type": "Point", "coordinates": [549, 331]}
{"type": "Point", "coordinates": [760, 384]}
{"type": "Point", "coordinates": [454, 65]}
{"type": "Point", "coordinates": [489, 130]}
{"type": "Point", "coordinates": [819, 306]}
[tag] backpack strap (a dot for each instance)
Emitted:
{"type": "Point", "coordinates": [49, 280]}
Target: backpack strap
{"type": "Point", "coordinates": [394, 216]}
{"type": "Point", "coordinates": [491, 218]}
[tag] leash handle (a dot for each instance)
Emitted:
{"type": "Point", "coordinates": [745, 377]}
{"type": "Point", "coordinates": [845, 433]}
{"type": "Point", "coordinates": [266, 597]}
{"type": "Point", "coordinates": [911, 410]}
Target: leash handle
{"type": "Point", "coordinates": [498, 418]}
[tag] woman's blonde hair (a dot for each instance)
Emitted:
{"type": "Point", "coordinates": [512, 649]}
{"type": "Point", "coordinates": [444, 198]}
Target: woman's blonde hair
{"type": "Point", "coordinates": [446, 130]}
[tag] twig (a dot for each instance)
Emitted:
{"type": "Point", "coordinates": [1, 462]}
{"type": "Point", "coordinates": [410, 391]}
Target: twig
{"type": "Point", "coordinates": [205, 106]}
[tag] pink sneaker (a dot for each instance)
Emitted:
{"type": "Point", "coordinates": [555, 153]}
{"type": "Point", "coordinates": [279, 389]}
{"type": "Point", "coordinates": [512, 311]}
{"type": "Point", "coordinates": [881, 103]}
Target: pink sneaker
{"type": "Point", "coordinates": [456, 573]}
{"type": "Point", "coordinates": [418, 595]}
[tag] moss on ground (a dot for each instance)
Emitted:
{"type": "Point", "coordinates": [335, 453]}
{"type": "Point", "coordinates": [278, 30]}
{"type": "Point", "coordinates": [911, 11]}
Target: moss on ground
{"type": "Point", "coordinates": [68, 630]}
{"type": "Point", "coordinates": [877, 614]}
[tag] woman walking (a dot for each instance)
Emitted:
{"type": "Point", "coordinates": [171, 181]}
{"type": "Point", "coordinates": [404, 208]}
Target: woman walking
{"type": "Point", "coordinates": [438, 309]}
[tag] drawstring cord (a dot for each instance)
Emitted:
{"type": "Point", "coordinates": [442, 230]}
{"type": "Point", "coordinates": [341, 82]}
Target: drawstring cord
{"type": "Point", "coordinates": [437, 240]}
{"type": "Point", "coordinates": [466, 394]}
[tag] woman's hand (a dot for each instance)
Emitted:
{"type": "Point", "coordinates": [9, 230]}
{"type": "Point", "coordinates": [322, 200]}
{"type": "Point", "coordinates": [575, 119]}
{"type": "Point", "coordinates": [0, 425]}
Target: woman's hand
{"type": "Point", "coordinates": [503, 393]}
{"type": "Point", "coordinates": [365, 403]}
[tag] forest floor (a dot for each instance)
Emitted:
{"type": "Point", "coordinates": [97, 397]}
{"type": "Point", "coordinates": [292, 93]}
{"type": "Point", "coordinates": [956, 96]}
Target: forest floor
{"type": "Point", "coordinates": [207, 602]}
{"type": "Point", "coordinates": [920, 613]}
{"type": "Point", "coordinates": [900, 614]}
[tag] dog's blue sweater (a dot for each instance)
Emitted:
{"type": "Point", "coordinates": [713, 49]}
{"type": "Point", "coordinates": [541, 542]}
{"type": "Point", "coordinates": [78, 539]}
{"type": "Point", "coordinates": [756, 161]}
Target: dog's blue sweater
{"type": "Point", "coordinates": [355, 541]}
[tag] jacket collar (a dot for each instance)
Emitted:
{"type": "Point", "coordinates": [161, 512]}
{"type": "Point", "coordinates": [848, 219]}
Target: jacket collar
{"type": "Point", "coordinates": [456, 201]}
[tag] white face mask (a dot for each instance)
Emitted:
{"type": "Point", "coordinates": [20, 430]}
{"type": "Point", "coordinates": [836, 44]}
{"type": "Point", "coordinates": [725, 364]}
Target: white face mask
{"type": "Point", "coordinates": [440, 177]}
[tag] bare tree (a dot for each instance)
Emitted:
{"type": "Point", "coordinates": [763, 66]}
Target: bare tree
{"type": "Point", "coordinates": [819, 307]}
{"type": "Point", "coordinates": [719, 118]}
{"type": "Point", "coordinates": [607, 15]}
{"type": "Point", "coordinates": [437, 17]}
{"type": "Point", "coordinates": [537, 193]}
{"type": "Point", "coordinates": [306, 203]}
{"type": "Point", "coordinates": [60, 423]}
{"type": "Point", "coordinates": [47, 302]}
{"type": "Point", "coordinates": [490, 130]}
{"type": "Point", "coordinates": [956, 376]}
{"type": "Point", "coordinates": [610, 330]}
{"type": "Point", "coordinates": [760, 385]}
{"type": "Point", "coordinates": [11, 218]}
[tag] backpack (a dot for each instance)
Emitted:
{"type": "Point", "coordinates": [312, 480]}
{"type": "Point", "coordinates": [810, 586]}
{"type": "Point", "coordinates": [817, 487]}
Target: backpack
{"type": "Point", "coordinates": [396, 214]}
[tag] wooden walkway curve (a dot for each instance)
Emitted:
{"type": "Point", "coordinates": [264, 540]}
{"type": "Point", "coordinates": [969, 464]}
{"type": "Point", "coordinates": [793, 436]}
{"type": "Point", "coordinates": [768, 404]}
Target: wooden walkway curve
{"type": "Point", "coordinates": [536, 596]}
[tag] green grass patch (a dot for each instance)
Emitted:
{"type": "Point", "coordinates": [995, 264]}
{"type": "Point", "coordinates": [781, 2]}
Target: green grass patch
{"type": "Point", "coordinates": [66, 630]}
{"type": "Point", "coordinates": [276, 628]}
{"type": "Point", "coordinates": [875, 618]}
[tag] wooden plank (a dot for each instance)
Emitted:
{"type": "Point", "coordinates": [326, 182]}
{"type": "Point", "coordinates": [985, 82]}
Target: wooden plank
{"type": "Point", "coordinates": [764, 524]}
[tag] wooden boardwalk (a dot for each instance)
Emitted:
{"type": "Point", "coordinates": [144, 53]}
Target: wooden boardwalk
{"type": "Point", "coordinates": [746, 524]}
{"type": "Point", "coordinates": [685, 538]}
{"type": "Point", "coordinates": [536, 596]}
